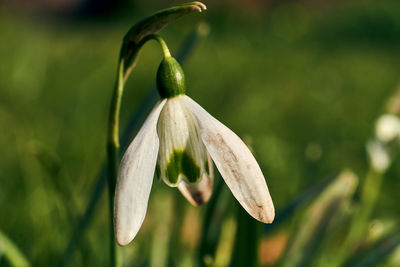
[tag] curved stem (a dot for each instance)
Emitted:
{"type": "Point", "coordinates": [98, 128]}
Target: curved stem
{"type": "Point", "coordinates": [162, 43]}
{"type": "Point", "coordinates": [184, 53]}
{"type": "Point", "coordinates": [136, 37]}
{"type": "Point", "coordinates": [122, 76]}
{"type": "Point", "coordinates": [113, 138]}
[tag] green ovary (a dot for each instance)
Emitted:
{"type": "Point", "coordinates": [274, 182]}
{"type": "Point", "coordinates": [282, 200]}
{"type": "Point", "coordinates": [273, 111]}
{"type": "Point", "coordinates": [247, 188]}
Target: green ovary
{"type": "Point", "coordinates": [181, 162]}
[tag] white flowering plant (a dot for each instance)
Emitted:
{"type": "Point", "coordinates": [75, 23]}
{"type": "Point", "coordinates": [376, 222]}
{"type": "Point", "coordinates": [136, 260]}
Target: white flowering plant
{"type": "Point", "coordinates": [179, 139]}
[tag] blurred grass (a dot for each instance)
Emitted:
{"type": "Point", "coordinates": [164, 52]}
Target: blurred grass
{"type": "Point", "coordinates": [306, 82]}
{"type": "Point", "coordinates": [11, 252]}
{"type": "Point", "coordinates": [317, 223]}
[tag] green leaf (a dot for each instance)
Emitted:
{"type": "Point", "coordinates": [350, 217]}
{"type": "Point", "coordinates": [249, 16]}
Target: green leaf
{"type": "Point", "coordinates": [248, 235]}
{"type": "Point", "coordinates": [11, 252]}
{"type": "Point", "coordinates": [377, 252]}
{"type": "Point", "coordinates": [299, 201]}
{"type": "Point", "coordinates": [313, 224]}
{"type": "Point", "coordinates": [370, 191]}
{"type": "Point", "coordinates": [211, 229]}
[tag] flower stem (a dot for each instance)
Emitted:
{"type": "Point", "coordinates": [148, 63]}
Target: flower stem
{"type": "Point", "coordinates": [358, 225]}
{"type": "Point", "coordinates": [162, 43]}
{"type": "Point", "coordinates": [133, 41]}
{"type": "Point", "coordinates": [113, 139]}
{"type": "Point", "coordinates": [184, 53]}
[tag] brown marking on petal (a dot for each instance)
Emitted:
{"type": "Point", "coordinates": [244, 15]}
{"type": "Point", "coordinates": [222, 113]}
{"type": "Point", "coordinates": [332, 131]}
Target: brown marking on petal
{"type": "Point", "coordinates": [231, 160]}
{"type": "Point", "coordinates": [197, 194]}
{"type": "Point", "coordinates": [260, 211]}
{"type": "Point", "coordinates": [236, 164]}
{"type": "Point", "coordinates": [198, 197]}
{"type": "Point", "coordinates": [231, 168]}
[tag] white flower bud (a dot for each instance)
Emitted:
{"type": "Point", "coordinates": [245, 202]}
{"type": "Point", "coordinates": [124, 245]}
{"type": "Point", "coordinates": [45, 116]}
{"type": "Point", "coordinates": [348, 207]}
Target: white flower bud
{"type": "Point", "coordinates": [378, 155]}
{"type": "Point", "coordinates": [387, 128]}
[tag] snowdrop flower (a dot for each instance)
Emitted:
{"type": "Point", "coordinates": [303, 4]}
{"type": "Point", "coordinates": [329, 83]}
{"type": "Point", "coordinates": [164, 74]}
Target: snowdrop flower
{"type": "Point", "coordinates": [183, 140]}
{"type": "Point", "coordinates": [387, 127]}
{"type": "Point", "coordinates": [378, 155]}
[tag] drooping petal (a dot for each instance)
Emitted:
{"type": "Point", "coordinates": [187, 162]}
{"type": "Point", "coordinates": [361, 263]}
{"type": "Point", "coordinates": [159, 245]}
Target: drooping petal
{"type": "Point", "coordinates": [135, 178]}
{"type": "Point", "coordinates": [236, 164]}
{"type": "Point", "coordinates": [200, 193]}
{"type": "Point", "coordinates": [182, 154]}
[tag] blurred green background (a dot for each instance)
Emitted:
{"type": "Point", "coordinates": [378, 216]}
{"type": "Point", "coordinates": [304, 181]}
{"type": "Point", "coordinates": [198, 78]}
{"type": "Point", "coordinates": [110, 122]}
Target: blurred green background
{"type": "Point", "coordinates": [302, 82]}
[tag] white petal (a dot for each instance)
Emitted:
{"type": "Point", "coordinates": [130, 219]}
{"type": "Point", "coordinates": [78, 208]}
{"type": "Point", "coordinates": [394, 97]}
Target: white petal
{"type": "Point", "coordinates": [236, 164]}
{"type": "Point", "coordinates": [200, 193]}
{"type": "Point", "coordinates": [182, 153]}
{"type": "Point", "coordinates": [135, 177]}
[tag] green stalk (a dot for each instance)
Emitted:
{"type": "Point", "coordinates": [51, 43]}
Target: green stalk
{"type": "Point", "coordinates": [212, 222]}
{"type": "Point", "coordinates": [113, 141]}
{"type": "Point", "coordinates": [369, 196]}
{"type": "Point", "coordinates": [377, 252]}
{"type": "Point", "coordinates": [12, 253]}
{"type": "Point", "coordinates": [314, 224]}
{"type": "Point", "coordinates": [247, 240]}
{"type": "Point", "coordinates": [133, 41]}
{"type": "Point", "coordinates": [184, 52]}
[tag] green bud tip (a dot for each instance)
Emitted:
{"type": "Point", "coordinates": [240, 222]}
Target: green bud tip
{"type": "Point", "coordinates": [170, 78]}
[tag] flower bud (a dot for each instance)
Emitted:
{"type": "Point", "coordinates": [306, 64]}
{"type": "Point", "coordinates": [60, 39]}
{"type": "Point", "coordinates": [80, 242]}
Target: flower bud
{"type": "Point", "coordinates": [387, 128]}
{"type": "Point", "coordinates": [379, 156]}
{"type": "Point", "coordinates": [170, 78]}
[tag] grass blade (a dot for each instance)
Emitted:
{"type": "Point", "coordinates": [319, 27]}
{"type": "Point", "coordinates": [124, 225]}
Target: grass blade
{"type": "Point", "coordinates": [11, 252]}
{"type": "Point", "coordinates": [315, 220]}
